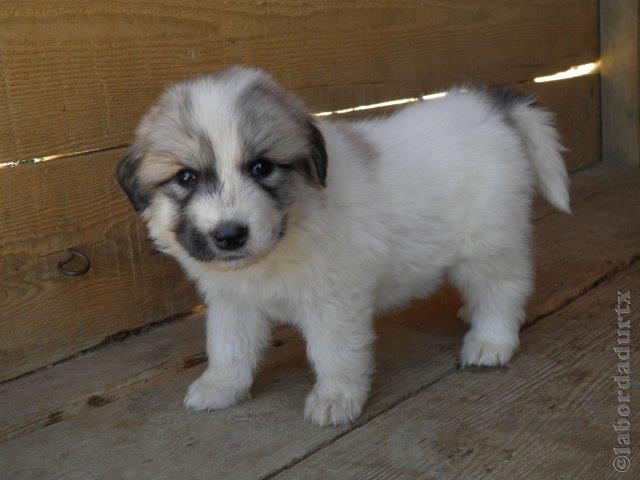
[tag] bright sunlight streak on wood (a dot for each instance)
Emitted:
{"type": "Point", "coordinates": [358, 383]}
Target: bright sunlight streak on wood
{"type": "Point", "coordinates": [577, 71]}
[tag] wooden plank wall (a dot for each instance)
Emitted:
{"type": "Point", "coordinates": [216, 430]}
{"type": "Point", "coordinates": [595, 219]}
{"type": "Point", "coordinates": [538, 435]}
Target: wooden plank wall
{"type": "Point", "coordinates": [77, 76]}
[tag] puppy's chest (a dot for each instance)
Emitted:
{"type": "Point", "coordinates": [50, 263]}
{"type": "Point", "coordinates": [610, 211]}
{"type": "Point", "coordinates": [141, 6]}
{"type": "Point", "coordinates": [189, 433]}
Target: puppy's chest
{"type": "Point", "coordinates": [279, 305]}
{"type": "Point", "coordinates": [280, 311]}
{"type": "Point", "coordinates": [280, 298]}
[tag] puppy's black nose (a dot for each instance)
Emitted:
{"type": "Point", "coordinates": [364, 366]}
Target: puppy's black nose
{"type": "Point", "coordinates": [230, 236]}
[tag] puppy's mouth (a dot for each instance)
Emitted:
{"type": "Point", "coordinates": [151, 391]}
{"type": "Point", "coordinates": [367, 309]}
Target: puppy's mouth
{"type": "Point", "coordinates": [235, 262]}
{"type": "Point", "coordinates": [200, 248]}
{"type": "Point", "coordinates": [231, 258]}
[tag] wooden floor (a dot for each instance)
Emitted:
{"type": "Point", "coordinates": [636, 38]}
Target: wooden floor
{"type": "Point", "coordinates": [116, 413]}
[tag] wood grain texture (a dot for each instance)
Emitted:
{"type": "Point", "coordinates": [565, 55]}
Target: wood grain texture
{"type": "Point", "coordinates": [549, 415]}
{"type": "Point", "coordinates": [118, 411]}
{"type": "Point", "coordinates": [620, 43]}
{"type": "Point", "coordinates": [46, 316]}
{"type": "Point", "coordinates": [47, 207]}
{"type": "Point", "coordinates": [78, 75]}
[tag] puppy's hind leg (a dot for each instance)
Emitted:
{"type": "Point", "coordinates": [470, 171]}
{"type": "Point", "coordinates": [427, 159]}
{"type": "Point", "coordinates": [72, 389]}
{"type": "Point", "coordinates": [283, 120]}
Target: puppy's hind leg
{"type": "Point", "coordinates": [495, 289]}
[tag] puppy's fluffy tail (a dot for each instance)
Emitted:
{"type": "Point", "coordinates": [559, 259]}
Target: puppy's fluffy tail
{"type": "Point", "coordinates": [540, 137]}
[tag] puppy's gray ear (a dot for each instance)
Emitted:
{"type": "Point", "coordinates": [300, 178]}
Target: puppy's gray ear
{"type": "Point", "coordinates": [127, 173]}
{"type": "Point", "coordinates": [317, 161]}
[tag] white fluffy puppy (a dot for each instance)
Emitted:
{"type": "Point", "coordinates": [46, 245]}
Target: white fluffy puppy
{"type": "Point", "coordinates": [279, 216]}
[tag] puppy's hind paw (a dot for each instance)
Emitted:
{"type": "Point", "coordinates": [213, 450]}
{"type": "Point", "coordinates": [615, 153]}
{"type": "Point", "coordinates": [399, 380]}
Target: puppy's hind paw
{"type": "Point", "coordinates": [208, 393]}
{"type": "Point", "coordinates": [486, 352]}
{"type": "Point", "coordinates": [331, 408]}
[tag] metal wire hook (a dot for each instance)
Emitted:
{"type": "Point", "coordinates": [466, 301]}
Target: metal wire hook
{"type": "Point", "coordinates": [74, 252]}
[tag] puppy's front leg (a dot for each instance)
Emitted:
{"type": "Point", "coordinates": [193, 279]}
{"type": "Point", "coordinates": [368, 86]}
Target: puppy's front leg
{"type": "Point", "coordinates": [339, 348]}
{"type": "Point", "coordinates": [236, 336]}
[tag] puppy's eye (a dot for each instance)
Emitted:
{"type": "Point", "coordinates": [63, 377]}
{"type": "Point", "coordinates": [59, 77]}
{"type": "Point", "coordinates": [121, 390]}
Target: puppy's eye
{"type": "Point", "coordinates": [261, 168]}
{"type": "Point", "coordinates": [186, 177]}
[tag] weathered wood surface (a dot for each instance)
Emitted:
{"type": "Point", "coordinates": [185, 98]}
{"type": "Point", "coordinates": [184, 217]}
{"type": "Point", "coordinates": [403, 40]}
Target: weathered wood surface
{"type": "Point", "coordinates": [620, 57]}
{"type": "Point", "coordinates": [77, 75]}
{"type": "Point", "coordinates": [550, 414]}
{"type": "Point", "coordinates": [127, 420]}
{"type": "Point", "coordinates": [47, 207]}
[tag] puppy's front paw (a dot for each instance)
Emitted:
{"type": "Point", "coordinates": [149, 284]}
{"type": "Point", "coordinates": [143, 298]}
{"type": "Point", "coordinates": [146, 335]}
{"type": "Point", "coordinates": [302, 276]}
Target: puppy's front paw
{"type": "Point", "coordinates": [210, 392]}
{"type": "Point", "coordinates": [487, 352]}
{"type": "Point", "coordinates": [332, 407]}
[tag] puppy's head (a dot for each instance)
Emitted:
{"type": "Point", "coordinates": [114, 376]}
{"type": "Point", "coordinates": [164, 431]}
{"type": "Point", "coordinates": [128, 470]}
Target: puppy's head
{"type": "Point", "coordinates": [220, 163]}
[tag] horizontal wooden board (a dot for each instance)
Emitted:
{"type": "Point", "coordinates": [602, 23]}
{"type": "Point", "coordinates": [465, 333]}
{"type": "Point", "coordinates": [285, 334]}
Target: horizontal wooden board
{"type": "Point", "coordinates": [78, 75]}
{"type": "Point", "coordinates": [76, 202]}
{"type": "Point", "coordinates": [549, 415]}
{"type": "Point", "coordinates": [118, 412]}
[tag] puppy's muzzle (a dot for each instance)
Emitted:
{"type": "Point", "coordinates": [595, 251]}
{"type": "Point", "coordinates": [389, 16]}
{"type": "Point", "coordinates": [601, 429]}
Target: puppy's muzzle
{"type": "Point", "coordinates": [230, 236]}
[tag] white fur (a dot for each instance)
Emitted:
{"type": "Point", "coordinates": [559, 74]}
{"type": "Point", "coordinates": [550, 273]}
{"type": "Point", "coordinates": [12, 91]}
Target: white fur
{"type": "Point", "coordinates": [447, 194]}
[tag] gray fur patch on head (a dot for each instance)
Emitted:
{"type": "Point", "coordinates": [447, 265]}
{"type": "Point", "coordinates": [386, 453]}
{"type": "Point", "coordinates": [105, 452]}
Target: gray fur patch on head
{"type": "Point", "coordinates": [272, 119]}
{"type": "Point", "coordinates": [276, 123]}
{"type": "Point", "coordinates": [180, 115]}
{"type": "Point", "coordinates": [206, 153]}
